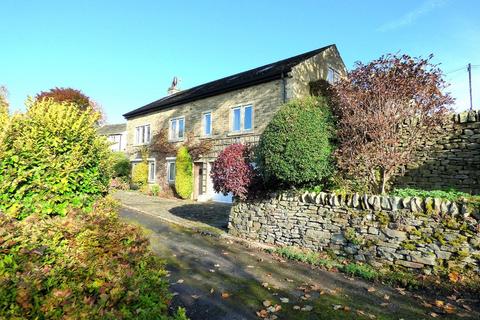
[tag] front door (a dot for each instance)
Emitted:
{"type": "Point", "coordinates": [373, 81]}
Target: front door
{"type": "Point", "coordinates": [198, 180]}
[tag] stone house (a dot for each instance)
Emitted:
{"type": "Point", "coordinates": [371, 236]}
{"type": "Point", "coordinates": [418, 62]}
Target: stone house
{"type": "Point", "coordinates": [233, 109]}
{"type": "Point", "coordinates": [116, 134]}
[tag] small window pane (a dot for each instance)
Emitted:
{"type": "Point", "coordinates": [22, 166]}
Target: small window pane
{"type": "Point", "coordinates": [171, 171]}
{"type": "Point", "coordinates": [331, 75]}
{"type": "Point", "coordinates": [151, 171]}
{"type": "Point", "coordinates": [173, 129]}
{"type": "Point", "coordinates": [181, 127]}
{"type": "Point", "coordinates": [207, 122]}
{"type": "Point", "coordinates": [147, 129]}
{"type": "Point", "coordinates": [236, 119]}
{"type": "Point", "coordinates": [247, 122]}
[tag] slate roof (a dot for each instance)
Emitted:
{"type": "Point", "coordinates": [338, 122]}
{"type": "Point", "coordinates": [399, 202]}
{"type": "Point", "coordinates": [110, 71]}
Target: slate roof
{"type": "Point", "coordinates": [266, 73]}
{"type": "Point", "coordinates": [110, 129]}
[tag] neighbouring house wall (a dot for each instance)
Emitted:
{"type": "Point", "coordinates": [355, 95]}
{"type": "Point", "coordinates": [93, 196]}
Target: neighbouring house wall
{"type": "Point", "coordinates": [427, 235]}
{"type": "Point", "coordinates": [451, 162]}
{"type": "Point", "coordinates": [312, 70]}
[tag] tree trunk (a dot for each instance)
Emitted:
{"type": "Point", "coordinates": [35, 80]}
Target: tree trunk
{"type": "Point", "coordinates": [383, 181]}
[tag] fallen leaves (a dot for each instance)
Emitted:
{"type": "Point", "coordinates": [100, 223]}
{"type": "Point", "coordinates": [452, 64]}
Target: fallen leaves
{"type": "Point", "coordinates": [268, 312]}
{"type": "Point", "coordinates": [454, 276]}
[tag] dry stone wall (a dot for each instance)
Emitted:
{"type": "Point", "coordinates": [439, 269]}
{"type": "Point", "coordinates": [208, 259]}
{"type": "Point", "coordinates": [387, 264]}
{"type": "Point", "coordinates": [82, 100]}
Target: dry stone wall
{"type": "Point", "coordinates": [451, 162]}
{"type": "Point", "coordinates": [428, 235]}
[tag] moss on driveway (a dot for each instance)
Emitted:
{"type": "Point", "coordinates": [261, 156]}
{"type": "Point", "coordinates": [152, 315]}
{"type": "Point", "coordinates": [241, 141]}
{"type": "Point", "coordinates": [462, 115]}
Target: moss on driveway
{"type": "Point", "coordinates": [220, 279]}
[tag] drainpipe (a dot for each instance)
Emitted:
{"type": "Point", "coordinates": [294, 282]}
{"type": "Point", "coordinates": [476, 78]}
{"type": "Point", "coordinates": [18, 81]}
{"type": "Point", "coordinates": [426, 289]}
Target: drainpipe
{"type": "Point", "coordinates": [284, 88]}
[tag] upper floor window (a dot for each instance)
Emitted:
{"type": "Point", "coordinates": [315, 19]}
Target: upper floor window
{"type": "Point", "coordinates": [142, 134]}
{"type": "Point", "coordinates": [242, 118]}
{"type": "Point", "coordinates": [332, 75]}
{"type": "Point", "coordinates": [207, 124]}
{"type": "Point", "coordinates": [177, 129]}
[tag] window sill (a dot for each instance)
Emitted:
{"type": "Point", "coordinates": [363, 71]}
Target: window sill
{"type": "Point", "coordinates": [141, 144]}
{"type": "Point", "coordinates": [176, 140]}
{"type": "Point", "coordinates": [240, 133]}
{"type": "Point", "coordinates": [206, 137]}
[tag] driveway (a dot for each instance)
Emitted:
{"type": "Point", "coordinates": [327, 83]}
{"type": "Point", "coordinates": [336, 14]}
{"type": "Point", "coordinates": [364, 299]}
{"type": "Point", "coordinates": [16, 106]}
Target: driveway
{"type": "Point", "coordinates": [217, 278]}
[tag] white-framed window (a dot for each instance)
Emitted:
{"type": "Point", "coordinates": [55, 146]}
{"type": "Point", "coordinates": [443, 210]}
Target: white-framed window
{"type": "Point", "coordinates": [142, 134]}
{"type": "Point", "coordinates": [151, 171]}
{"type": "Point", "coordinates": [242, 119]}
{"type": "Point", "coordinates": [171, 169]}
{"type": "Point", "coordinates": [207, 124]}
{"type": "Point", "coordinates": [152, 168]}
{"type": "Point", "coordinates": [332, 75]}
{"type": "Point", "coordinates": [116, 139]}
{"type": "Point", "coordinates": [177, 129]}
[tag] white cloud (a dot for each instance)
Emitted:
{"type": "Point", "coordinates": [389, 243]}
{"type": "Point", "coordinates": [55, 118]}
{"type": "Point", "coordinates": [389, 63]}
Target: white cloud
{"type": "Point", "coordinates": [413, 15]}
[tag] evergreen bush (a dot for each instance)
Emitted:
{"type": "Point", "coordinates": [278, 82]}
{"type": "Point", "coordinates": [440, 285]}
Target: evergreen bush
{"type": "Point", "coordinates": [184, 173]}
{"type": "Point", "coordinates": [51, 158]}
{"type": "Point", "coordinates": [140, 174]}
{"type": "Point", "coordinates": [295, 149]}
{"type": "Point", "coordinates": [121, 165]}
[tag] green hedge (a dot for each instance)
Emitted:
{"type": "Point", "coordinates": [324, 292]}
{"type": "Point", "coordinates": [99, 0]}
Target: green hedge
{"type": "Point", "coordinates": [184, 173]}
{"type": "Point", "coordinates": [295, 148]}
{"type": "Point", "coordinates": [51, 158]}
{"type": "Point", "coordinates": [121, 165]}
{"type": "Point", "coordinates": [140, 174]}
{"type": "Point", "coordinates": [82, 266]}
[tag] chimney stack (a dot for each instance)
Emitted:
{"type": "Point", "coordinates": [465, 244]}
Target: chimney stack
{"type": "Point", "coordinates": [173, 88]}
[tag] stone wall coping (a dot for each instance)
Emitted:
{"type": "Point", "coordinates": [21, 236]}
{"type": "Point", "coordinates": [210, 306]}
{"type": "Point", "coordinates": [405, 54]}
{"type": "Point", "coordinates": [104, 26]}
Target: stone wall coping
{"type": "Point", "coordinates": [467, 116]}
{"type": "Point", "coordinates": [378, 203]}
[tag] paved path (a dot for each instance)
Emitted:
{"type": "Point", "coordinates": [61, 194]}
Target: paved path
{"type": "Point", "coordinates": [216, 278]}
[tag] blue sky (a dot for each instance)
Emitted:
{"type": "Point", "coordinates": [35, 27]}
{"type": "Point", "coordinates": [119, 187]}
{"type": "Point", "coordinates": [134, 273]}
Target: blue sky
{"type": "Point", "coordinates": [124, 54]}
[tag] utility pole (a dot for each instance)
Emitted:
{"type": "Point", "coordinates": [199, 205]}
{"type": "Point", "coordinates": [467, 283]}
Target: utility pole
{"type": "Point", "coordinates": [469, 69]}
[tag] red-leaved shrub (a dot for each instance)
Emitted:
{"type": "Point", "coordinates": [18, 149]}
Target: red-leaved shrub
{"type": "Point", "coordinates": [232, 171]}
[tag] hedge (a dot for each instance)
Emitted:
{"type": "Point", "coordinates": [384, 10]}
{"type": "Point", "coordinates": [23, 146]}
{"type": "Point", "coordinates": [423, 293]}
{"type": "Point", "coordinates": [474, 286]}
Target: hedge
{"type": "Point", "coordinates": [184, 173]}
{"type": "Point", "coordinates": [295, 149]}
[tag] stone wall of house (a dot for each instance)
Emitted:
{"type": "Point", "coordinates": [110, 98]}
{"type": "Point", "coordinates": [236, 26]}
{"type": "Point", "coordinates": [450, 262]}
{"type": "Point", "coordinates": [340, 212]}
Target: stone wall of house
{"type": "Point", "coordinates": [422, 234]}
{"type": "Point", "coordinates": [451, 162]}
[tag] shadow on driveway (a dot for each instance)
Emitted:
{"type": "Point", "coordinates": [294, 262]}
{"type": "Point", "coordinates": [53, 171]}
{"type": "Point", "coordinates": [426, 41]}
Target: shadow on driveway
{"type": "Point", "coordinates": [211, 213]}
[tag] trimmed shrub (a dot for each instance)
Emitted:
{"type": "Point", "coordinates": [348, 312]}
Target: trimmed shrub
{"type": "Point", "coordinates": [140, 174]}
{"type": "Point", "coordinates": [295, 149]}
{"type": "Point", "coordinates": [233, 171]}
{"type": "Point", "coordinates": [51, 157]}
{"type": "Point", "coordinates": [82, 266]}
{"type": "Point", "coordinates": [184, 173]}
{"type": "Point", "coordinates": [121, 165]}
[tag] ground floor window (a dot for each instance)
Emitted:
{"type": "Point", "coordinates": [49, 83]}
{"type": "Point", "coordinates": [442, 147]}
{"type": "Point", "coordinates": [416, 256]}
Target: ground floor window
{"type": "Point", "coordinates": [151, 168]}
{"type": "Point", "coordinates": [151, 171]}
{"type": "Point", "coordinates": [171, 169]}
